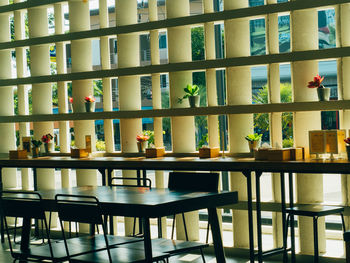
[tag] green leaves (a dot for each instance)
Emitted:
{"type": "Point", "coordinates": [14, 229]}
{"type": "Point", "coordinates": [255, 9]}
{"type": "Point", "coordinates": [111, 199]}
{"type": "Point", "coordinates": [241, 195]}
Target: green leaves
{"type": "Point", "coordinates": [190, 90]}
{"type": "Point", "coordinates": [253, 137]}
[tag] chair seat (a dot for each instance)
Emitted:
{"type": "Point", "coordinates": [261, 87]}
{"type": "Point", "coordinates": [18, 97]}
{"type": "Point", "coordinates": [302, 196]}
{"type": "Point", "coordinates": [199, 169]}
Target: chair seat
{"type": "Point", "coordinates": [118, 255]}
{"type": "Point", "coordinates": [314, 210]}
{"type": "Point", "coordinates": [77, 246]}
{"type": "Point", "coordinates": [169, 246]}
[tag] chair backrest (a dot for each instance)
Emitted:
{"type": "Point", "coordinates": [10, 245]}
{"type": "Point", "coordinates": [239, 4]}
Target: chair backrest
{"type": "Point", "coordinates": [24, 204]}
{"type": "Point", "coordinates": [126, 181]}
{"type": "Point", "coordinates": [79, 208]}
{"type": "Point", "coordinates": [196, 182]}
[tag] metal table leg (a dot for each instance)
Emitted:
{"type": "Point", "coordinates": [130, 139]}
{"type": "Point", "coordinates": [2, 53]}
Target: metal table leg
{"type": "Point", "coordinates": [291, 205]}
{"type": "Point", "coordinates": [258, 215]}
{"type": "Point", "coordinates": [247, 174]}
{"type": "Point", "coordinates": [216, 232]}
{"type": "Point", "coordinates": [147, 239]}
{"type": "Point", "coordinates": [284, 225]}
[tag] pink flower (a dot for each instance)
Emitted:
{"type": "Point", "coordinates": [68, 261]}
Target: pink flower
{"type": "Point", "coordinates": [70, 99]}
{"type": "Point", "coordinates": [46, 138]}
{"type": "Point", "coordinates": [90, 98]}
{"type": "Point", "coordinates": [316, 83]}
{"type": "Point", "coordinates": [142, 138]}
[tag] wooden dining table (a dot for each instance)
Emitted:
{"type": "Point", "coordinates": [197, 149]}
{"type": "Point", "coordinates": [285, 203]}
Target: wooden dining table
{"type": "Point", "coordinates": [147, 203]}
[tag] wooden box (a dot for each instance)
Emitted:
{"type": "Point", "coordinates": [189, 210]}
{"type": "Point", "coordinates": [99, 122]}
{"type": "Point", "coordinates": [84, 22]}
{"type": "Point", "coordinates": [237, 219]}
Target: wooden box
{"type": "Point", "coordinates": [279, 154]}
{"type": "Point", "coordinates": [297, 153]}
{"type": "Point", "coordinates": [155, 152]}
{"type": "Point", "coordinates": [18, 154]}
{"type": "Point", "coordinates": [261, 154]}
{"type": "Point", "coordinates": [206, 152]}
{"type": "Point", "coordinates": [79, 153]}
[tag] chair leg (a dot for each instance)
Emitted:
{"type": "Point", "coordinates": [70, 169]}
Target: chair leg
{"type": "Point", "coordinates": [315, 239]}
{"type": "Point", "coordinates": [202, 255]}
{"type": "Point", "coordinates": [285, 254]}
{"type": "Point", "coordinates": [207, 237]}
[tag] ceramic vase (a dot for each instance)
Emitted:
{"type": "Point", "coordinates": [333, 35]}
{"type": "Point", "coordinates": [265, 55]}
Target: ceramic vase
{"type": "Point", "coordinates": [49, 147]}
{"type": "Point", "coordinates": [141, 146]}
{"type": "Point", "coordinates": [89, 106]}
{"type": "Point", "coordinates": [323, 94]}
{"type": "Point", "coordinates": [194, 101]}
{"type": "Point", "coordinates": [253, 145]}
{"type": "Point", "coordinates": [35, 152]}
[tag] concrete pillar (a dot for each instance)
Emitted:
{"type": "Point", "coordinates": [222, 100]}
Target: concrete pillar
{"type": "Point", "coordinates": [237, 45]}
{"type": "Point", "coordinates": [41, 93]}
{"type": "Point", "coordinates": [213, 133]}
{"type": "Point", "coordinates": [156, 95]}
{"type": "Point", "coordinates": [22, 90]}
{"type": "Point", "coordinates": [183, 130]}
{"type": "Point", "coordinates": [106, 82]}
{"type": "Point", "coordinates": [309, 187]}
{"type": "Point", "coordinates": [79, 20]}
{"type": "Point", "coordinates": [7, 130]}
{"type": "Point", "coordinates": [62, 91]}
{"type": "Point", "coordinates": [129, 86]}
{"type": "Point", "coordinates": [343, 40]}
{"type": "Point", "coordinates": [273, 78]}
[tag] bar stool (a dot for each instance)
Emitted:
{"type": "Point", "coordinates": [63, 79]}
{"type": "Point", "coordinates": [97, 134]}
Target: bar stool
{"type": "Point", "coordinates": [314, 211]}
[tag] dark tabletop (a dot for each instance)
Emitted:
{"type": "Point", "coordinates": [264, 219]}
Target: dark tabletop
{"type": "Point", "coordinates": [139, 201]}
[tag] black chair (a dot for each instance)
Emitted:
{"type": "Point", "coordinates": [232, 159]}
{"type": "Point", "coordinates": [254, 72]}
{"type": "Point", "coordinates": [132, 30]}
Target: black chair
{"type": "Point", "coordinates": [126, 182]}
{"type": "Point", "coordinates": [182, 181]}
{"type": "Point", "coordinates": [197, 182]}
{"type": "Point", "coordinates": [87, 209]}
{"type": "Point", "coordinates": [347, 245]}
{"type": "Point", "coordinates": [314, 211]}
{"type": "Point", "coordinates": [27, 205]}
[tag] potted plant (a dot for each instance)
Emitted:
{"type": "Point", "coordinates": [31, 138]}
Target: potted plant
{"type": "Point", "coordinates": [90, 103]}
{"type": "Point", "coordinates": [47, 140]}
{"type": "Point", "coordinates": [192, 93]}
{"type": "Point", "coordinates": [322, 92]}
{"type": "Point", "coordinates": [347, 141]}
{"type": "Point", "coordinates": [142, 142]}
{"type": "Point", "coordinates": [253, 141]}
{"type": "Point", "coordinates": [35, 149]}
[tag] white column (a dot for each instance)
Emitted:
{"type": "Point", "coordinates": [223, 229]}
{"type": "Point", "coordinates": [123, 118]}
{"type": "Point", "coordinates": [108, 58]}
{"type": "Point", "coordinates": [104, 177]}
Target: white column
{"type": "Point", "coordinates": [309, 187]}
{"type": "Point", "coordinates": [213, 121]}
{"type": "Point", "coordinates": [22, 90]}
{"type": "Point", "coordinates": [273, 79]}
{"type": "Point", "coordinates": [183, 129]}
{"type": "Point", "coordinates": [62, 91]}
{"type": "Point", "coordinates": [7, 130]}
{"type": "Point", "coordinates": [106, 82]}
{"type": "Point", "coordinates": [41, 93]}
{"type": "Point", "coordinates": [129, 87]}
{"type": "Point", "coordinates": [79, 19]}
{"type": "Point", "coordinates": [237, 45]}
{"type": "Point", "coordinates": [343, 40]}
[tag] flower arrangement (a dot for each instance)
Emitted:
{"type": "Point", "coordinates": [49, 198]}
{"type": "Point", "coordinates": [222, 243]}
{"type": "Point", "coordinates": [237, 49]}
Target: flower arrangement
{"type": "Point", "coordinates": [316, 83]}
{"type": "Point", "coordinates": [46, 138]}
{"type": "Point", "coordinates": [70, 99]}
{"type": "Point", "coordinates": [36, 143]}
{"type": "Point", "coordinates": [90, 98]}
{"type": "Point", "coordinates": [142, 138]}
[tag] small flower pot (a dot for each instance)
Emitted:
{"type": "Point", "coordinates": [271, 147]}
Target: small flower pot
{"type": "Point", "coordinates": [253, 145]}
{"type": "Point", "coordinates": [89, 106]}
{"type": "Point", "coordinates": [35, 152]}
{"type": "Point", "coordinates": [141, 146]}
{"type": "Point", "coordinates": [323, 94]}
{"type": "Point", "coordinates": [194, 101]}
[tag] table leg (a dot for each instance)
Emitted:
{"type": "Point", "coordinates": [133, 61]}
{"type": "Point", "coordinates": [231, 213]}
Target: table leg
{"type": "Point", "coordinates": [216, 232]}
{"type": "Point", "coordinates": [2, 230]}
{"type": "Point", "coordinates": [103, 173]}
{"type": "Point", "coordinates": [147, 239]}
{"type": "Point", "coordinates": [247, 174]}
{"type": "Point", "coordinates": [291, 205]}
{"type": "Point", "coordinates": [284, 226]}
{"type": "Point", "coordinates": [258, 215]}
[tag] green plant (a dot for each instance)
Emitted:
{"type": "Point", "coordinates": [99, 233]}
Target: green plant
{"type": "Point", "coordinates": [288, 142]}
{"type": "Point", "coordinates": [190, 90]}
{"type": "Point", "coordinates": [253, 137]}
{"type": "Point", "coordinates": [100, 145]}
{"type": "Point", "coordinates": [36, 143]}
